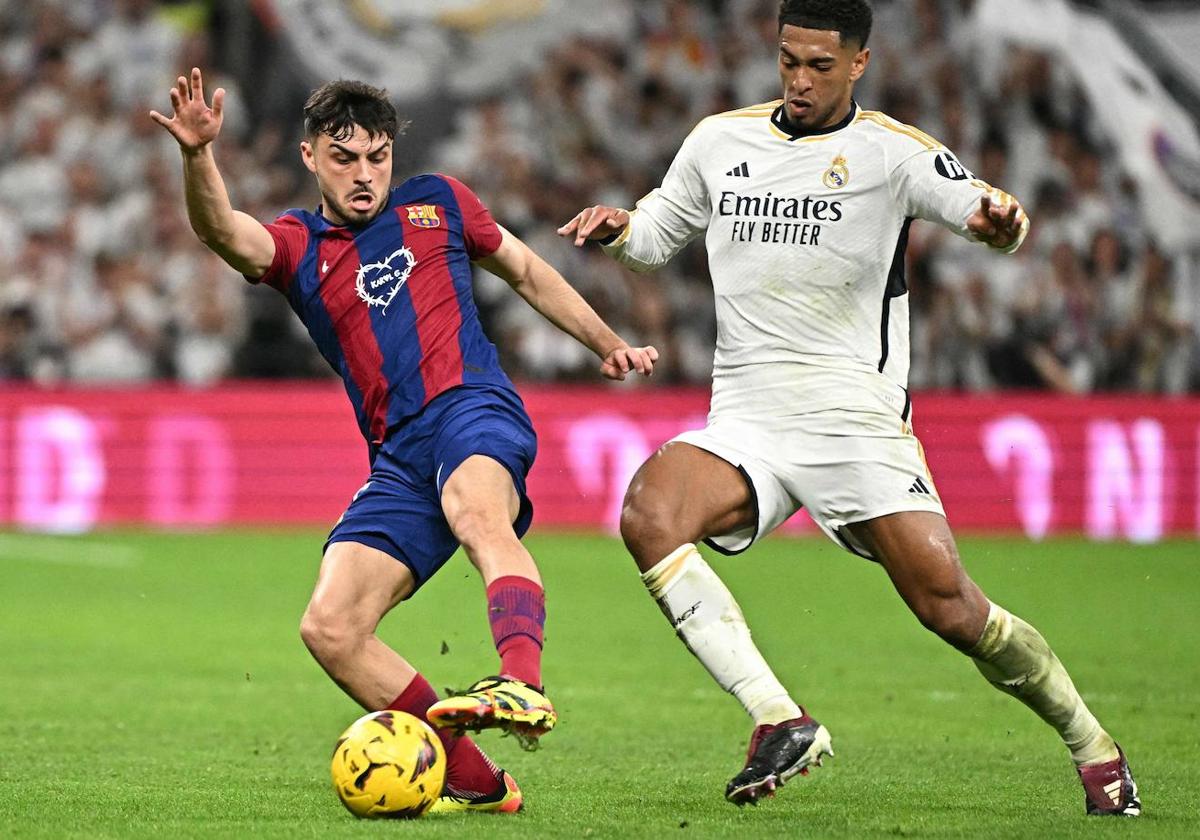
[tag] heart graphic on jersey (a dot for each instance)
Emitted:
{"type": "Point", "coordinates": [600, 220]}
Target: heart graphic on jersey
{"type": "Point", "coordinates": [377, 283]}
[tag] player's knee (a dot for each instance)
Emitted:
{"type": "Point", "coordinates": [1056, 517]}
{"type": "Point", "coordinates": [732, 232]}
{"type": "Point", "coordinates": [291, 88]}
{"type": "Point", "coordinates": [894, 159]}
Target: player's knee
{"type": "Point", "coordinates": [329, 637]}
{"type": "Point", "coordinates": [476, 528]}
{"type": "Point", "coordinates": [949, 614]}
{"type": "Point", "coordinates": [648, 527]}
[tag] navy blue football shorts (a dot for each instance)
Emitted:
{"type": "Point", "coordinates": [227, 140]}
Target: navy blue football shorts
{"type": "Point", "coordinates": [399, 509]}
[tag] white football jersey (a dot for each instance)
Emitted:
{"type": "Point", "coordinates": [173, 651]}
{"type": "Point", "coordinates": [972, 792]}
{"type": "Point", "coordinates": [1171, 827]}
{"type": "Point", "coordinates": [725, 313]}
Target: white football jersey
{"type": "Point", "coordinates": [806, 237]}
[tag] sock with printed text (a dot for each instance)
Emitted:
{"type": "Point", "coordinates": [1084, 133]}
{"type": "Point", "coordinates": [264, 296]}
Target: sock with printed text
{"type": "Point", "coordinates": [517, 613]}
{"type": "Point", "coordinates": [710, 623]}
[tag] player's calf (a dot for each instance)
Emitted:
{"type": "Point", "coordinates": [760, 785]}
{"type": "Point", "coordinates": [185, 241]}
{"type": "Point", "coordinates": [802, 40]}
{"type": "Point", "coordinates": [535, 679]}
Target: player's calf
{"type": "Point", "coordinates": [1015, 658]}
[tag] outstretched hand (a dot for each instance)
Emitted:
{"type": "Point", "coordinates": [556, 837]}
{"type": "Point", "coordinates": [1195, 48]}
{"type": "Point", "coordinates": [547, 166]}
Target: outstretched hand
{"type": "Point", "coordinates": [620, 361]}
{"type": "Point", "coordinates": [998, 221]}
{"type": "Point", "coordinates": [597, 222]}
{"type": "Point", "coordinates": [194, 125]}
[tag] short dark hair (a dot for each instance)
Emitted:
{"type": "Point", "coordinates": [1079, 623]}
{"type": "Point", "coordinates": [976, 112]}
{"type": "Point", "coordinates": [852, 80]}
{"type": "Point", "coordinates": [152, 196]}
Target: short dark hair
{"type": "Point", "coordinates": [850, 18]}
{"type": "Point", "coordinates": [335, 108]}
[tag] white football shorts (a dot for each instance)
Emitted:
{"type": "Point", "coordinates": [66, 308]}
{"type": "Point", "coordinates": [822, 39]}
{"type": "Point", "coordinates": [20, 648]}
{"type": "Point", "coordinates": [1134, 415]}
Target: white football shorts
{"type": "Point", "coordinates": [841, 466]}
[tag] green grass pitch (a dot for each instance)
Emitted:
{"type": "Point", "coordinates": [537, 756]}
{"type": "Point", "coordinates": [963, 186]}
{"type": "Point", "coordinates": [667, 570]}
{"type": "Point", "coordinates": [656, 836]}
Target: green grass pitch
{"type": "Point", "coordinates": [154, 685]}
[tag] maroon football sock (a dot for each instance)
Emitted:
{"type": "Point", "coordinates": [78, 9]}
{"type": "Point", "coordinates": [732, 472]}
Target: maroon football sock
{"type": "Point", "coordinates": [517, 612]}
{"type": "Point", "coordinates": [467, 768]}
{"type": "Point", "coordinates": [416, 700]}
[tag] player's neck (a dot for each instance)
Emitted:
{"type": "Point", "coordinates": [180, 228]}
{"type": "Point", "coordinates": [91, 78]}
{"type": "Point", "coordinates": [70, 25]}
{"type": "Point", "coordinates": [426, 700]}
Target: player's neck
{"type": "Point", "coordinates": [842, 119]}
{"type": "Point", "coordinates": [334, 219]}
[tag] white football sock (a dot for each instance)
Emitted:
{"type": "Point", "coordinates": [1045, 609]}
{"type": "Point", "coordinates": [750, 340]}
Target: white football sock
{"type": "Point", "coordinates": [710, 623]}
{"type": "Point", "coordinates": [1014, 657]}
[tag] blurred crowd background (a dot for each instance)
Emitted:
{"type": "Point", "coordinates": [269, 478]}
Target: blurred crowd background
{"type": "Point", "coordinates": [104, 281]}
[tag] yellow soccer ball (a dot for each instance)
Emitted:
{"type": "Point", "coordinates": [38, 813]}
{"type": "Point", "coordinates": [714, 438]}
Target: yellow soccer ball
{"type": "Point", "coordinates": [388, 764]}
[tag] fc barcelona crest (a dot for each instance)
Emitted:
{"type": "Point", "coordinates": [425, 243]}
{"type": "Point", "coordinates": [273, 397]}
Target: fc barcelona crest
{"type": "Point", "coordinates": [424, 215]}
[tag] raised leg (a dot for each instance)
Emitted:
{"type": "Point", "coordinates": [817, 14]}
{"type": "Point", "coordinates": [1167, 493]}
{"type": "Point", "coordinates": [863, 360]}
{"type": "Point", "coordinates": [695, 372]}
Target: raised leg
{"type": "Point", "coordinates": [480, 504]}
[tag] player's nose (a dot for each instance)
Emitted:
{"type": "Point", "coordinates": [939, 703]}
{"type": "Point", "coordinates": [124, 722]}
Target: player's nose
{"type": "Point", "coordinates": [799, 82]}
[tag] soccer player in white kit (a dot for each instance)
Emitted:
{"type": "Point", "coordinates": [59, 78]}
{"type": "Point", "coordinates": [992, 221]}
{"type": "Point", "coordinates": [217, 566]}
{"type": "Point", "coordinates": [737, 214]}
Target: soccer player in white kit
{"type": "Point", "coordinates": [805, 205]}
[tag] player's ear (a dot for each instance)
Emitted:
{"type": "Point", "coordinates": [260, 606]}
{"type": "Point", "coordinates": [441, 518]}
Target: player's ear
{"type": "Point", "coordinates": [306, 155]}
{"type": "Point", "coordinates": [859, 64]}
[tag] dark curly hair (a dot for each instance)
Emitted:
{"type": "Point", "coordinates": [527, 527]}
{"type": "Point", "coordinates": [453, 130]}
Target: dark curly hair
{"type": "Point", "coordinates": [851, 19]}
{"type": "Point", "coordinates": [335, 108]}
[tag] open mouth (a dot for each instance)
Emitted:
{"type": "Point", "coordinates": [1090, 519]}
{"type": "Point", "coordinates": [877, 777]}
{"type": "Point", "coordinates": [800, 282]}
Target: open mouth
{"type": "Point", "coordinates": [362, 201]}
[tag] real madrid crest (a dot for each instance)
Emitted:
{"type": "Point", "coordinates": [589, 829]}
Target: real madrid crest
{"type": "Point", "coordinates": [837, 175]}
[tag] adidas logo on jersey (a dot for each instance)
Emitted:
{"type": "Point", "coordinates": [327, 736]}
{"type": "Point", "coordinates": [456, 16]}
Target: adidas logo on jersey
{"type": "Point", "coordinates": [918, 486]}
{"type": "Point", "coordinates": [742, 170]}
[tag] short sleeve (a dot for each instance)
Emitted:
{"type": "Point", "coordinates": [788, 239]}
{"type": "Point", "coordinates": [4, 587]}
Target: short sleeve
{"type": "Point", "coordinates": [291, 241]}
{"type": "Point", "coordinates": [480, 231]}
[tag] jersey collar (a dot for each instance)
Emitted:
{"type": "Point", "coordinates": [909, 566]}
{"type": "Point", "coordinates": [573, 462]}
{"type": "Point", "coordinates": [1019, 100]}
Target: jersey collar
{"type": "Point", "coordinates": [778, 120]}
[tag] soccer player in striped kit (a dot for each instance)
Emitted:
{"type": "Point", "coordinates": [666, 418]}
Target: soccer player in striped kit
{"type": "Point", "coordinates": [805, 205]}
{"type": "Point", "coordinates": [381, 277]}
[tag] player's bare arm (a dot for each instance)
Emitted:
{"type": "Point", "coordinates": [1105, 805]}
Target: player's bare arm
{"type": "Point", "coordinates": [546, 291]}
{"type": "Point", "coordinates": [236, 237]}
{"type": "Point", "coordinates": [598, 222]}
{"type": "Point", "coordinates": [999, 222]}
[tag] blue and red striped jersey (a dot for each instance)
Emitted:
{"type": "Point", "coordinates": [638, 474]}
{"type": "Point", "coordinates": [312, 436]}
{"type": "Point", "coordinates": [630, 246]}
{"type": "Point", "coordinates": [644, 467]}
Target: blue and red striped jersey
{"type": "Point", "coordinates": [390, 304]}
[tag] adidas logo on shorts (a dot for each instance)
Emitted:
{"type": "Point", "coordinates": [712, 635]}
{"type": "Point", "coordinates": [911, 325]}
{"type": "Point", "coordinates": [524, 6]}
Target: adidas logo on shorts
{"type": "Point", "coordinates": [918, 486]}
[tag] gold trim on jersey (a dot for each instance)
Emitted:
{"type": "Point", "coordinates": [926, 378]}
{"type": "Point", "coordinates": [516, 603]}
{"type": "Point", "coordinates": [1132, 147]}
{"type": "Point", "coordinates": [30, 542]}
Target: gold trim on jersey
{"type": "Point", "coordinates": [754, 111]}
{"type": "Point", "coordinates": [766, 109]}
{"type": "Point", "coordinates": [816, 138]}
{"type": "Point", "coordinates": [763, 108]}
{"type": "Point", "coordinates": [907, 430]}
{"type": "Point", "coordinates": [624, 234]}
{"type": "Point", "coordinates": [887, 122]}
